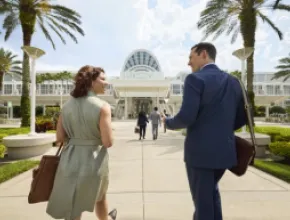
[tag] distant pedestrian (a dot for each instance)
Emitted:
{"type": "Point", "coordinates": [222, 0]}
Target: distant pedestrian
{"type": "Point", "coordinates": [142, 123]}
{"type": "Point", "coordinates": [155, 118]}
{"type": "Point", "coordinates": [166, 115]}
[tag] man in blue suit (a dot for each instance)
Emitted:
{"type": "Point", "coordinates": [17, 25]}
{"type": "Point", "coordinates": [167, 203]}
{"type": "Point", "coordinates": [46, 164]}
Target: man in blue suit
{"type": "Point", "coordinates": [212, 109]}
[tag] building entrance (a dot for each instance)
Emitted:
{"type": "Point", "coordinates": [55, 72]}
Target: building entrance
{"type": "Point", "coordinates": [142, 104]}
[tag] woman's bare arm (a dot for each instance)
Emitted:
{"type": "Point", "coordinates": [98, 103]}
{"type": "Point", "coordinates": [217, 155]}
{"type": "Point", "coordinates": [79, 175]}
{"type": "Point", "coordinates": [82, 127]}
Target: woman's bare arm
{"type": "Point", "coordinates": [60, 132]}
{"type": "Point", "coordinates": [106, 126]}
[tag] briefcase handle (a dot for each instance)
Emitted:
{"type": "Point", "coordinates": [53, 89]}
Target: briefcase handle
{"type": "Point", "coordinates": [250, 121]}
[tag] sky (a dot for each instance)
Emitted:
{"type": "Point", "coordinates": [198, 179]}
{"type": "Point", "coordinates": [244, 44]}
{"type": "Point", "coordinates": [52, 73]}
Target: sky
{"type": "Point", "coordinates": [167, 28]}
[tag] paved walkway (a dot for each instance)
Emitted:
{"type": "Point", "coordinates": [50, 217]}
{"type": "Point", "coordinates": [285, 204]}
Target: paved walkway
{"type": "Point", "coordinates": [148, 181]}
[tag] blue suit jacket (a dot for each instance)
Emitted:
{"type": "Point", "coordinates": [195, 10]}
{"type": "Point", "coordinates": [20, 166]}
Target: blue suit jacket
{"type": "Point", "coordinates": [212, 109]}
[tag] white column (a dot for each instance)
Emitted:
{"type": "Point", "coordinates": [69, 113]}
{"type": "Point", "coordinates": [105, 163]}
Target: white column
{"type": "Point", "coordinates": [44, 109]}
{"type": "Point", "coordinates": [61, 92]}
{"type": "Point", "coordinates": [126, 108]}
{"type": "Point", "coordinates": [282, 90]}
{"type": "Point", "coordinates": [11, 111]}
{"type": "Point", "coordinates": [267, 111]}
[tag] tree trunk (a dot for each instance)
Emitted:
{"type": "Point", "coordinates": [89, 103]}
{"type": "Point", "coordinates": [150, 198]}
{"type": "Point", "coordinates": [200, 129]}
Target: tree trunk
{"type": "Point", "coordinates": [27, 20]}
{"type": "Point", "coordinates": [1, 80]}
{"type": "Point", "coordinates": [248, 31]}
{"type": "Point", "coordinates": [25, 100]}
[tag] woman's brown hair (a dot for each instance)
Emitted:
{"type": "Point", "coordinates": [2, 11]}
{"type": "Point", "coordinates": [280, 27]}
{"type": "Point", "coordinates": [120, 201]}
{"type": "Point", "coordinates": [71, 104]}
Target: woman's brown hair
{"type": "Point", "coordinates": [83, 80]}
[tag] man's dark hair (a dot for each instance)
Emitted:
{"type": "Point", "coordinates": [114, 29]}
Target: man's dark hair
{"type": "Point", "coordinates": [155, 109]}
{"type": "Point", "coordinates": [208, 47]}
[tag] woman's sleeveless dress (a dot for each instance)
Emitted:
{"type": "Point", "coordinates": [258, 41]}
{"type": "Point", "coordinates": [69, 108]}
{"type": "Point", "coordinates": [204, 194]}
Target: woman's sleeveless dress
{"type": "Point", "coordinates": [83, 174]}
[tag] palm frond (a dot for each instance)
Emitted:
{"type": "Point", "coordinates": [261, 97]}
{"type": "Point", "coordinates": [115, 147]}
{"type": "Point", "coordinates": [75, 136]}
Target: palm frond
{"type": "Point", "coordinates": [235, 35]}
{"type": "Point", "coordinates": [58, 33]}
{"type": "Point", "coordinates": [19, 72]}
{"type": "Point", "coordinates": [219, 17]}
{"type": "Point", "coordinates": [9, 24]}
{"type": "Point", "coordinates": [285, 60]}
{"type": "Point", "coordinates": [16, 62]}
{"type": "Point", "coordinates": [67, 13]}
{"type": "Point", "coordinates": [267, 20]}
{"type": "Point", "coordinates": [276, 3]}
{"type": "Point", "coordinates": [64, 29]}
{"type": "Point", "coordinates": [10, 65]}
{"type": "Point", "coordinates": [45, 32]}
{"type": "Point", "coordinates": [50, 17]}
{"type": "Point", "coordinates": [65, 21]}
{"type": "Point", "coordinates": [283, 67]}
{"type": "Point", "coordinates": [283, 7]}
{"type": "Point", "coordinates": [281, 74]}
{"type": "Point", "coordinates": [60, 20]}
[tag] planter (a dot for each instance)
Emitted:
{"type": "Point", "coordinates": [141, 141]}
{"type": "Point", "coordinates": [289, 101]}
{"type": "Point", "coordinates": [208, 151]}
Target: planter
{"type": "Point", "coordinates": [27, 146]}
{"type": "Point", "coordinates": [262, 140]}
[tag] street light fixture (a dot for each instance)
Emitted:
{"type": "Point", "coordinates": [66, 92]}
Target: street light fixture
{"type": "Point", "coordinates": [33, 53]}
{"type": "Point", "coordinates": [242, 54]}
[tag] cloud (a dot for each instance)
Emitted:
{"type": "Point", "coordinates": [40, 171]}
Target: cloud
{"type": "Point", "coordinates": [168, 23]}
{"type": "Point", "coordinates": [165, 27]}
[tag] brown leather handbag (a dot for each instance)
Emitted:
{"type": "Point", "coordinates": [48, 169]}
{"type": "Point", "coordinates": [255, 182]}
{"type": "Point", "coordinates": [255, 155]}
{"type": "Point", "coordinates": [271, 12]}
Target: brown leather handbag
{"type": "Point", "coordinates": [43, 178]}
{"type": "Point", "coordinates": [245, 150]}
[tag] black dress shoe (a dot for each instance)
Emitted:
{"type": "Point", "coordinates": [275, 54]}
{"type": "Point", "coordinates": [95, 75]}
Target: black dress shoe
{"type": "Point", "coordinates": [113, 214]}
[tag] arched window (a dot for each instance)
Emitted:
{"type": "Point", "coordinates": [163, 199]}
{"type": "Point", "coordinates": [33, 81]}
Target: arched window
{"type": "Point", "coordinates": [141, 58]}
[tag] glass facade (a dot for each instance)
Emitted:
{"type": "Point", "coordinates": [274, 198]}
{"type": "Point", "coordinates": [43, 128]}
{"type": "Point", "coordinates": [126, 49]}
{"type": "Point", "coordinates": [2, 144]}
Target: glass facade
{"type": "Point", "coordinates": [141, 58]}
{"type": "Point", "coordinates": [263, 85]}
{"type": "Point", "coordinates": [45, 89]}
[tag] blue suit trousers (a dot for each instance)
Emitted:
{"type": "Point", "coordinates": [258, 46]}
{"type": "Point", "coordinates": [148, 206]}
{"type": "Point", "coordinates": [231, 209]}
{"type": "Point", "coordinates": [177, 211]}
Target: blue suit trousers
{"type": "Point", "coordinates": [205, 193]}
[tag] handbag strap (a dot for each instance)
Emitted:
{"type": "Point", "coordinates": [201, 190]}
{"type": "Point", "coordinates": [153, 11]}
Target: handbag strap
{"type": "Point", "coordinates": [59, 149]}
{"type": "Point", "coordinates": [247, 108]}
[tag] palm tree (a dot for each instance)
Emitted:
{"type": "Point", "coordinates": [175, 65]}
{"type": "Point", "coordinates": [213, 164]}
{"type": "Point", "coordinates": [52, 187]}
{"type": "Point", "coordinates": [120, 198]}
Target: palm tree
{"type": "Point", "coordinates": [239, 17]}
{"type": "Point", "coordinates": [28, 13]}
{"type": "Point", "coordinates": [284, 69]}
{"type": "Point", "coordinates": [8, 64]}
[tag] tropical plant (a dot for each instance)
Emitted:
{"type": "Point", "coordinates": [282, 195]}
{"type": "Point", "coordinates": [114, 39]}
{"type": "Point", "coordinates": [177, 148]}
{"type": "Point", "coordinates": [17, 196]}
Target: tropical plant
{"type": "Point", "coordinates": [61, 76]}
{"type": "Point", "coordinates": [239, 17]}
{"type": "Point", "coordinates": [237, 74]}
{"type": "Point", "coordinates": [8, 64]}
{"type": "Point", "coordinates": [28, 13]}
{"type": "Point", "coordinates": [284, 69]}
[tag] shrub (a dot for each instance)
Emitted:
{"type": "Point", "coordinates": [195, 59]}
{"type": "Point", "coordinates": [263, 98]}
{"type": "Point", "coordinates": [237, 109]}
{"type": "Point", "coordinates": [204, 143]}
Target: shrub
{"type": "Point", "coordinates": [51, 111]}
{"type": "Point", "coordinates": [277, 110]}
{"type": "Point", "coordinates": [260, 111]}
{"type": "Point", "coordinates": [43, 124]}
{"type": "Point", "coordinates": [276, 133]}
{"type": "Point", "coordinates": [280, 148]}
{"type": "Point", "coordinates": [2, 150]}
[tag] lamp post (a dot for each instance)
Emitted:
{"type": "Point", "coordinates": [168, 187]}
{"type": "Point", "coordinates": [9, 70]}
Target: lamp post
{"type": "Point", "coordinates": [242, 54]}
{"type": "Point", "coordinates": [33, 53]}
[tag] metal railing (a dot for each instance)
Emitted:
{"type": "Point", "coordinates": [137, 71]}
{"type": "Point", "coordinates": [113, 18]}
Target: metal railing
{"type": "Point", "coordinates": [52, 92]}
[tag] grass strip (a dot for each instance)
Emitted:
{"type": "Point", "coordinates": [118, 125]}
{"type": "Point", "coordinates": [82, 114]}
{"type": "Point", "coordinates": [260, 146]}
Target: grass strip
{"type": "Point", "coordinates": [8, 171]}
{"type": "Point", "coordinates": [279, 170]}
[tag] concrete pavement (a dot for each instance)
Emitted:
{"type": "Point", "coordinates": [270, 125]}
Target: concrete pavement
{"type": "Point", "coordinates": [148, 181]}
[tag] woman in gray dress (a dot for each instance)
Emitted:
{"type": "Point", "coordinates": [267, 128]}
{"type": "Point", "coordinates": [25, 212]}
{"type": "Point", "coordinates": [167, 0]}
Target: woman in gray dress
{"type": "Point", "coordinates": [84, 125]}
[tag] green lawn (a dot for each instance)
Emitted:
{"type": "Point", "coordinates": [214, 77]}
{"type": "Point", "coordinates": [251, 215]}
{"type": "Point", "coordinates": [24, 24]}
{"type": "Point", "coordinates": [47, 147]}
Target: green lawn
{"type": "Point", "coordinates": [279, 170]}
{"type": "Point", "coordinates": [8, 171]}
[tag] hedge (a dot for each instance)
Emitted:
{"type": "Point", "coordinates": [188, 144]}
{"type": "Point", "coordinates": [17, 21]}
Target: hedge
{"type": "Point", "coordinates": [276, 133]}
{"type": "Point", "coordinates": [280, 148]}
